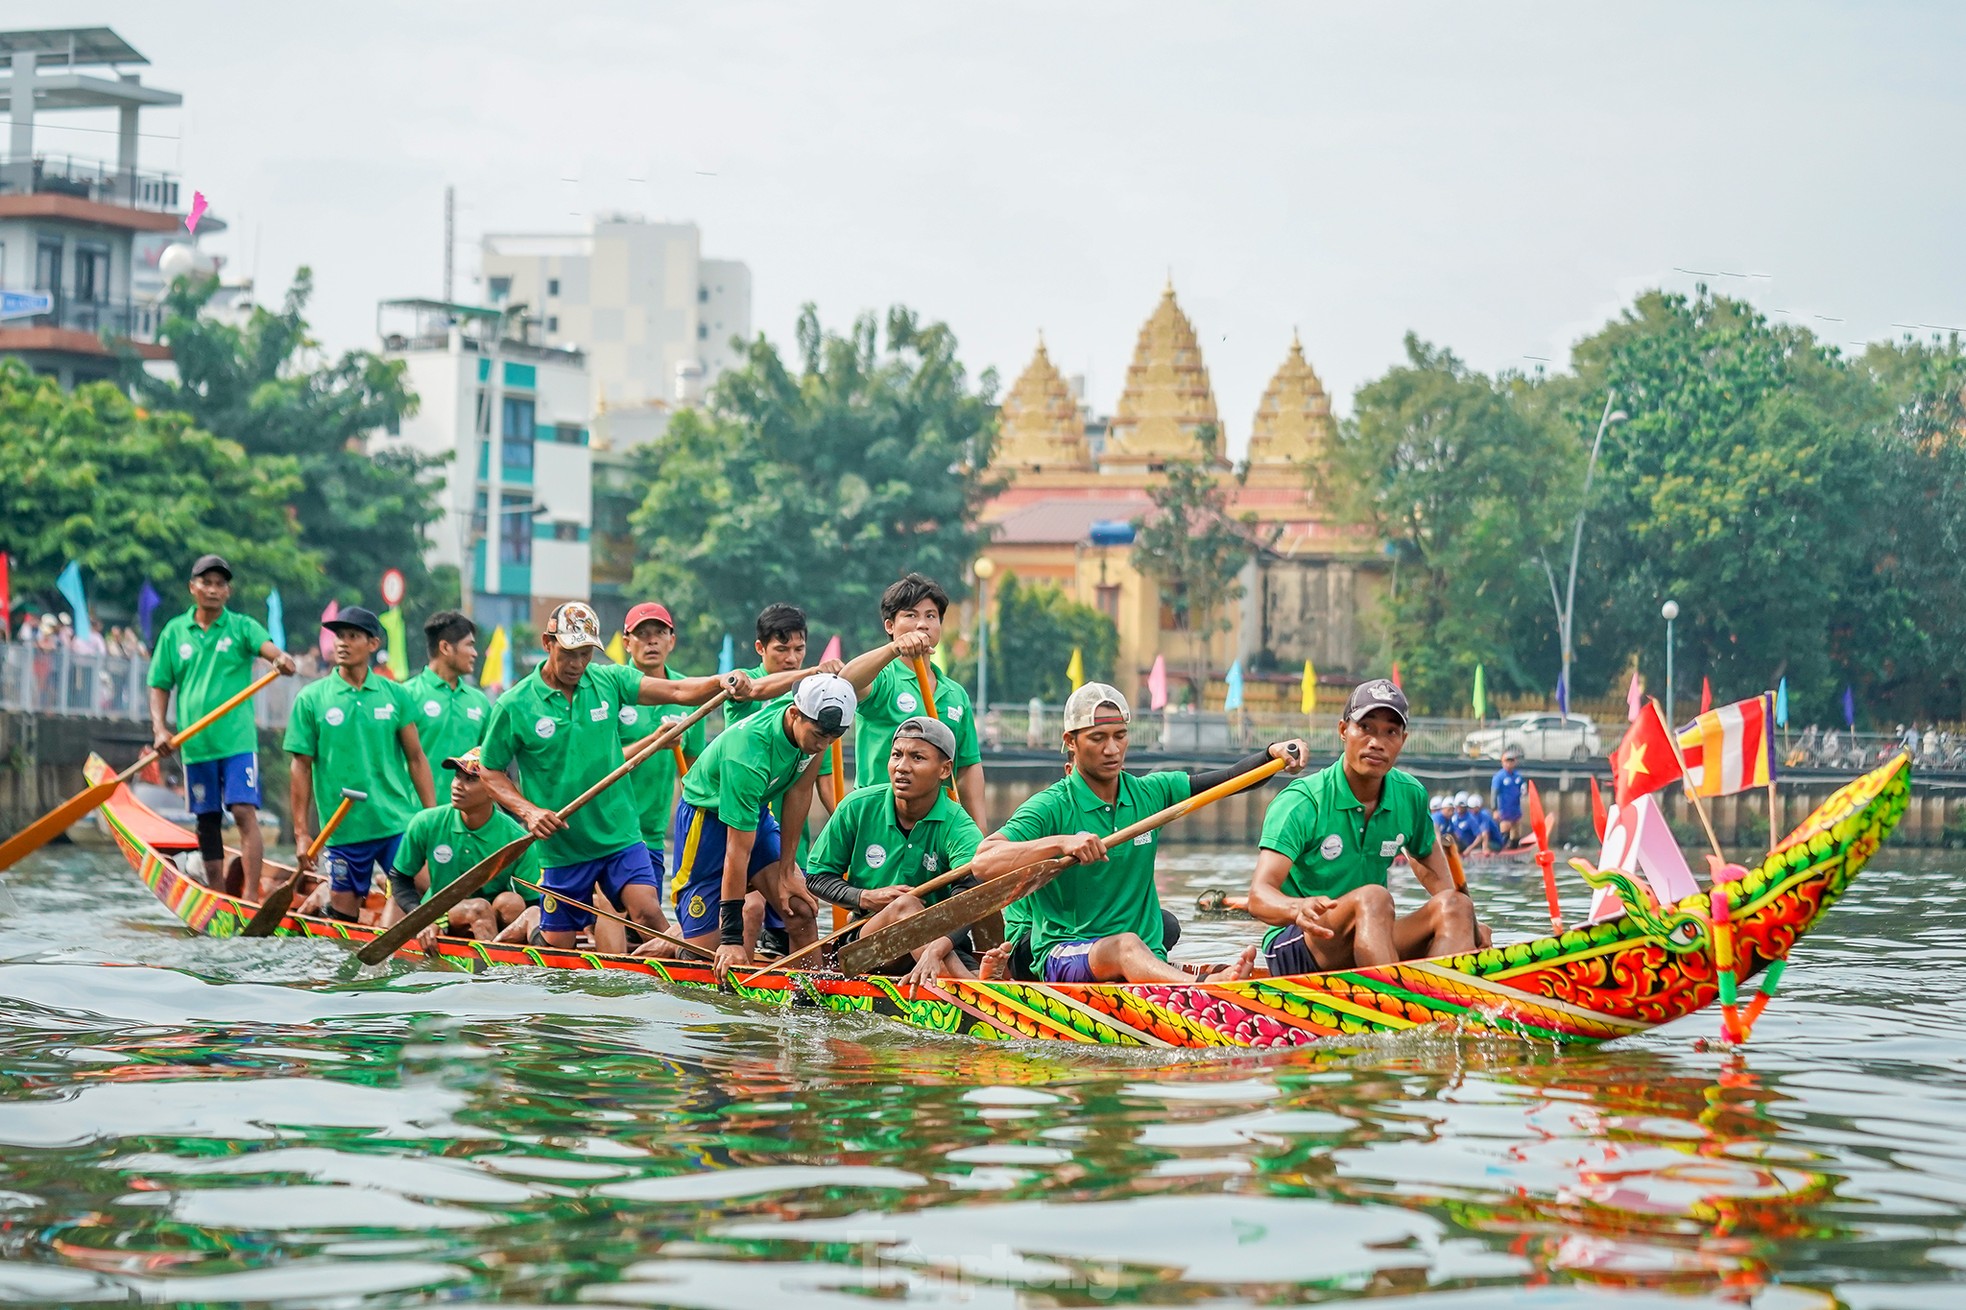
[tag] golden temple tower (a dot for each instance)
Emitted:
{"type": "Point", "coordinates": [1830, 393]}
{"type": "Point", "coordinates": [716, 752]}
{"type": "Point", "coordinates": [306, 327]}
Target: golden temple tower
{"type": "Point", "coordinates": [1040, 425]}
{"type": "Point", "coordinates": [1293, 430]}
{"type": "Point", "coordinates": [1167, 397]}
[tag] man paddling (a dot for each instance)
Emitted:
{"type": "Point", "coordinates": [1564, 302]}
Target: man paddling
{"type": "Point", "coordinates": [451, 711]}
{"type": "Point", "coordinates": [1102, 921]}
{"type": "Point", "coordinates": [355, 729]}
{"type": "Point", "coordinates": [206, 654]}
{"type": "Point", "coordinates": [1328, 840]}
{"type": "Point", "coordinates": [650, 634]}
{"type": "Point", "coordinates": [560, 725]}
{"type": "Point", "coordinates": [441, 843]}
{"type": "Point", "coordinates": [916, 605]}
{"type": "Point", "coordinates": [885, 840]}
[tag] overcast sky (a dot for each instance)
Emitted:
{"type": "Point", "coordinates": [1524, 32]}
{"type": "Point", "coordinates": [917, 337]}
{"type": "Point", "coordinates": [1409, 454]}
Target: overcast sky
{"type": "Point", "coordinates": [1499, 178]}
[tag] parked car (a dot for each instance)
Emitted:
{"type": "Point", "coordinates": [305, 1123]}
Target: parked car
{"type": "Point", "coordinates": [1539, 736]}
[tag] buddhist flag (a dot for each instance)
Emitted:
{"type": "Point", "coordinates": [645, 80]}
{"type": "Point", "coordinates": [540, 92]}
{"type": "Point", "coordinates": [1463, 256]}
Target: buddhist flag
{"type": "Point", "coordinates": [1232, 697]}
{"type": "Point", "coordinates": [1075, 671]}
{"type": "Point", "coordinates": [1307, 694]}
{"type": "Point", "coordinates": [396, 659]}
{"type": "Point", "coordinates": [497, 670]}
{"type": "Point", "coordinates": [1730, 749]}
{"type": "Point", "coordinates": [1644, 760]}
{"type": "Point", "coordinates": [1157, 684]}
{"type": "Point", "coordinates": [618, 649]}
{"type": "Point", "coordinates": [1481, 693]}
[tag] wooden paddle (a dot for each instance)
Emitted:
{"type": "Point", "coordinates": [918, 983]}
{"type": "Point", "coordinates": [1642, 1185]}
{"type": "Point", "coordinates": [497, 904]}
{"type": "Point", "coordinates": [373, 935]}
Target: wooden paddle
{"type": "Point", "coordinates": [786, 961]}
{"type": "Point", "coordinates": [467, 884]}
{"type": "Point", "coordinates": [927, 680]}
{"type": "Point", "coordinates": [959, 911]}
{"type": "Point", "coordinates": [621, 919]}
{"type": "Point", "coordinates": [274, 908]}
{"type": "Point", "coordinates": [58, 820]}
{"type": "Point", "coordinates": [1452, 850]}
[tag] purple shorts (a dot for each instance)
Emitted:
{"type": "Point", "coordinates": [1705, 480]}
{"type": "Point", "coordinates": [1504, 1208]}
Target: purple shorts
{"type": "Point", "coordinates": [1069, 962]}
{"type": "Point", "coordinates": [573, 886]}
{"type": "Point", "coordinates": [1287, 954]}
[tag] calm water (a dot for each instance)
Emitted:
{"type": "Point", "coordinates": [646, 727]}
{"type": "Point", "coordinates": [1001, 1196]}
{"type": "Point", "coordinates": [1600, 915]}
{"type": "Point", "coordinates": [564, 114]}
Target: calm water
{"type": "Point", "coordinates": [258, 1123]}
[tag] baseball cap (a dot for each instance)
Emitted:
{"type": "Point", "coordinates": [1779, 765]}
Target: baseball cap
{"type": "Point", "coordinates": [574, 625]}
{"type": "Point", "coordinates": [933, 731]}
{"type": "Point", "coordinates": [1435, 803]}
{"type": "Point", "coordinates": [354, 616]}
{"type": "Point", "coordinates": [645, 611]}
{"type": "Point", "coordinates": [1378, 694]}
{"type": "Point", "coordinates": [1082, 706]}
{"type": "Point", "coordinates": [206, 563]}
{"type": "Point", "coordinates": [828, 700]}
{"type": "Point", "coordinates": [468, 762]}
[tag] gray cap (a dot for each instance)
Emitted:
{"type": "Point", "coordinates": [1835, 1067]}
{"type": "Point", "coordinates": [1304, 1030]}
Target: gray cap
{"type": "Point", "coordinates": [211, 564]}
{"type": "Point", "coordinates": [1082, 707]}
{"type": "Point", "coordinates": [933, 731]}
{"type": "Point", "coordinates": [1378, 694]}
{"type": "Point", "coordinates": [828, 700]}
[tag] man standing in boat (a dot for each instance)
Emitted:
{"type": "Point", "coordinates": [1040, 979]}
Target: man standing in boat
{"type": "Point", "coordinates": [650, 634]}
{"type": "Point", "coordinates": [1328, 840]}
{"type": "Point", "coordinates": [206, 655]}
{"type": "Point", "coordinates": [560, 724]}
{"type": "Point", "coordinates": [1505, 790]}
{"type": "Point", "coordinates": [355, 729]}
{"type": "Point", "coordinates": [451, 711]}
{"type": "Point", "coordinates": [1102, 921]}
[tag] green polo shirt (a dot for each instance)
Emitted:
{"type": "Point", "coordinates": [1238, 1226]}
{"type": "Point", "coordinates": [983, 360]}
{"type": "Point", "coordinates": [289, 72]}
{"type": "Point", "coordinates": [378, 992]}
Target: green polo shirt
{"type": "Point", "coordinates": [655, 780]}
{"type": "Point", "coordinates": [746, 768]}
{"type": "Point", "coordinates": [209, 666]}
{"type": "Point", "coordinates": [865, 844]}
{"type": "Point", "coordinates": [1096, 900]}
{"type": "Point", "coordinates": [1333, 846]}
{"type": "Point", "coordinates": [562, 748]}
{"type": "Point", "coordinates": [350, 733]}
{"type": "Point", "coordinates": [736, 711]}
{"type": "Point", "coordinates": [449, 720]}
{"type": "Point", "coordinates": [896, 694]}
{"type": "Point", "coordinates": [439, 839]}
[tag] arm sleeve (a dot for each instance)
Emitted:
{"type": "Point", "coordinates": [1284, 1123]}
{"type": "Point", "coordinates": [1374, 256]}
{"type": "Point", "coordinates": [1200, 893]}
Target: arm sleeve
{"type": "Point", "coordinates": [963, 839]}
{"type": "Point", "coordinates": [740, 791]}
{"type": "Point", "coordinates": [256, 636]}
{"type": "Point", "coordinates": [694, 739]}
{"type": "Point", "coordinates": [1287, 822]}
{"type": "Point", "coordinates": [1423, 840]}
{"type": "Point", "coordinates": [1168, 788]}
{"type": "Point", "coordinates": [163, 661]}
{"type": "Point", "coordinates": [498, 736]}
{"type": "Point", "coordinates": [829, 860]}
{"type": "Point", "coordinates": [1200, 780]}
{"type": "Point", "coordinates": [303, 733]}
{"type": "Point", "coordinates": [1030, 822]}
{"type": "Point", "coordinates": [412, 851]}
{"type": "Point", "coordinates": [967, 751]}
{"type": "Point", "coordinates": [833, 889]}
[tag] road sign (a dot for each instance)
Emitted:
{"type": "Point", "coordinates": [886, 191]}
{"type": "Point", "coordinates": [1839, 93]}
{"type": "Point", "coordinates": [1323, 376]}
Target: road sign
{"type": "Point", "coordinates": [392, 588]}
{"type": "Point", "coordinates": [25, 304]}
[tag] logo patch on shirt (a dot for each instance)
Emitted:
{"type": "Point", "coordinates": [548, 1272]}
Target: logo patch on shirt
{"type": "Point", "coordinates": [1388, 849]}
{"type": "Point", "coordinates": [474, 713]}
{"type": "Point", "coordinates": [876, 856]}
{"type": "Point", "coordinates": [184, 651]}
{"type": "Point", "coordinates": [906, 702]}
{"type": "Point", "coordinates": [543, 728]}
{"type": "Point", "coordinates": [225, 643]}
{"type": "Point", "coordinates": [1144, 839]}
{"type": "Point", "coordinates": [1333, 847]}
{"type": "Point", "coordinates": [334, 716]}
{"type": "Point", "coordinates": [441, 855]}
{"type": "Point", "coordinates": [931, 862]}
{"type": "Point", "coordinates": [385, 711]}
{"type": "Point", "coordinates": [956, 713]}
{"type": "Point", "coordinates": [431, 709]}
{"type": "Point", "coordinates": [630, 715]}
{"type": "Point", "coordinates": [599, 713]}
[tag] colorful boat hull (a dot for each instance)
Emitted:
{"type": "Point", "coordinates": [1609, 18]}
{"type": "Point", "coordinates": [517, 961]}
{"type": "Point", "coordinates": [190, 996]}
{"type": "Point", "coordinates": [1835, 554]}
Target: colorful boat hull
{"type": "Point", "coordinates": [1587, 985]}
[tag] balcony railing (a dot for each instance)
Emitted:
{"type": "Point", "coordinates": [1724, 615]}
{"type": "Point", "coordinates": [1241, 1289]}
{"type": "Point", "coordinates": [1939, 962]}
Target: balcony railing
{"type": "Point", "coordinates": [88, 179]}
{"type": "Point", "coordinates": [107, 686]}
{"type": "Point", "coordinates": [121, 319]}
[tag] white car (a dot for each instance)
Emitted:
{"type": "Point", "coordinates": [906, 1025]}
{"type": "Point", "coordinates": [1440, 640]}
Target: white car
{"type": "Point", "coordinates": [1539, 736]}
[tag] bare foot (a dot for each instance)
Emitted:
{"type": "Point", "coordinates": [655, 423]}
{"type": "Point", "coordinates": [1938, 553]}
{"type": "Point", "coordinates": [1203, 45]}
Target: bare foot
{"type": "Point", "coordinates": [995, 963]}
{"type": "Point", "coordinates": [1244, 966]}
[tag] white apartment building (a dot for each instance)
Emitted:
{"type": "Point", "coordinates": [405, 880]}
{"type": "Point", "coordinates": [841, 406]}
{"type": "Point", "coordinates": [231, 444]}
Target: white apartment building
{"type": "Point", "coordinates": [653, 317]}
{"type": "Point", "coordinates": [512, 414]}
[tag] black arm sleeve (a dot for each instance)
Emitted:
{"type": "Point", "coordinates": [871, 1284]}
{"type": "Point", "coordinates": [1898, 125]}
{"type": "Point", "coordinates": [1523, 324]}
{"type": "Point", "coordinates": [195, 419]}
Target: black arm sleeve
{"type": "Point", "coordinates": [1200, 780]}
{"type": "Point", "coordinates": [833, 889]}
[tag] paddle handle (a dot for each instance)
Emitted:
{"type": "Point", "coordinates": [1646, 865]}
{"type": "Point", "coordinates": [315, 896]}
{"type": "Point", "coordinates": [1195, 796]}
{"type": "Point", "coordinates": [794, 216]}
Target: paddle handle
{"type": "Point", "coordinates": [837, 758]}
{"type": "Point", "coordinates": [186, 733]}
{"type": "Point", "coordinates": [937, 883]}
{"type": "Point", "coordinates": [926, 677]}
{"type": "Point", "coordinates": [662, 739]}
{"type": "Point", "coordinates": [320, 841]}
{"type": "Point", "coordinates": [621, 919]}
{"type": "Point", "coordinates": [1452, 850]}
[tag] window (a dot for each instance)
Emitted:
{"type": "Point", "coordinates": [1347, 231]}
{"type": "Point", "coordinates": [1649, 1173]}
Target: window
{"type": "Point", "coordinates": [702, 331]}
{"type": "Point", "coordinates": [1109, 601]}
{"type": "Point", "coordinates": [47, 265]}
{"type": "Point", "coordinates": [569, 435]}
{"type": "Point", "coordinates": [482, 424]}
{"type": "Point", "coordinates": [566, 532]}
{"type": "Point", "coordinates": [478, 518]}
{"type": "Point", "coordinates": [1174, 609]}
{"type": "Point", "coordinates": [92, 274]}
{"type": "Point", "coordinates": [552, 286]}
{"type": "Point", "coordinates": [552, 322]}
{"type": "Point", "coordinates": [515, 527]}
{"type": "Point", "coordinates": [501, 289]}
{"type": "Point", "coordinates": [703, 295]}
{"type": "Point", "coordinates": [517, 432]}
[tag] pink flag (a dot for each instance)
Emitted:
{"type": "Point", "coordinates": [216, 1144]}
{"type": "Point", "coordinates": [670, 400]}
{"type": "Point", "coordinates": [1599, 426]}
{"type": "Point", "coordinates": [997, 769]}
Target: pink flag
{"type": "Point", "coordinates": [198, 208]}
{"type": "Point", "coordinates": [832, 649]}
{"type": "Point", "coordinates": [1157, 684]}
{"type": "Point", "coordinates": [327, 638]}
{"type": "Point", "coordinates": [1634, 697]}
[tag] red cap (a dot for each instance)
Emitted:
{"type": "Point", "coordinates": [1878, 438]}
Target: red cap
{"type": "Point", "coordinates": [645, 611]}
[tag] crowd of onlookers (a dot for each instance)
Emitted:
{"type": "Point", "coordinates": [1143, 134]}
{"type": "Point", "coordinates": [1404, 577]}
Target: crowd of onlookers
{"type": "Point", "coordinates": [52, 632]}
{"type": "Point", "coordinates": [89, 677]}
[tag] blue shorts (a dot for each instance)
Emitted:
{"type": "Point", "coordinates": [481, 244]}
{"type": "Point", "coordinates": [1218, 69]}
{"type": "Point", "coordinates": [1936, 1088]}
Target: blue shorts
{"type": "Point", "coordinates": [1069, 962]}
{"type": "Point", "coordinates": [1288, 955]}
{"type": "Point", "coordinates": [699, 877]}
{"type": "Point", "coordinates": [214, 786]}
{"type": "Point", "coordinates": [352, 867]}
{"type": "Point", "coordinates": [573, 885]}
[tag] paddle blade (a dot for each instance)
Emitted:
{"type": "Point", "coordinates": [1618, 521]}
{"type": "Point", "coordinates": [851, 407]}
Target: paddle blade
{"type": "Point", "coordinates": [54, 823]}
{"type": "Point", "coordinates": [1539, 821]}
{"type": "Point", "coordinates": [439, 903]}
{"type": "Point", "coordinates": [272, 911]}
{"type": "Point", "coordinates": [873, 950]}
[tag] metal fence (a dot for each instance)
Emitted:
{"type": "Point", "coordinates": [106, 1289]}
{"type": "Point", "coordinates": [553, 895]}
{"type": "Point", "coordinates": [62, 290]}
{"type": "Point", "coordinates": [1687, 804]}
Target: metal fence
{"type": "Point", "coordinates": [107, 686]}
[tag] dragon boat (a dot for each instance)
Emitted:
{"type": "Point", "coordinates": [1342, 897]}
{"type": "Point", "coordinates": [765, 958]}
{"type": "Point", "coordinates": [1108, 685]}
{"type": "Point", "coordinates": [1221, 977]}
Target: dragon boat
{"type": "Point", "coordinates": [1591, 984]}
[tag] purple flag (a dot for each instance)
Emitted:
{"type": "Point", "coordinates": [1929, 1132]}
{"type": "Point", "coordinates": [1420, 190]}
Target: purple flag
{"type": "Point", "coordinates": [1849, 707]}
{"type": "Point", "coordinates": [1562, 695]}
{"type": "Point", "coordinates": [147, 602]}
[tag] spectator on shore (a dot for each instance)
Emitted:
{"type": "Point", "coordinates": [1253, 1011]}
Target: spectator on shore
{"type": "Point", "coordinates": [1505, 791]}
{"type": "Point", "coordinates": [91, 643]}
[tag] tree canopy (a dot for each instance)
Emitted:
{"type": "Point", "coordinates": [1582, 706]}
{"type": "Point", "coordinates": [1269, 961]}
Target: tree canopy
{"type": "Point", "coordinates": [1195, 547]}
{"type": "Point", "coordinates": [1037, 628]}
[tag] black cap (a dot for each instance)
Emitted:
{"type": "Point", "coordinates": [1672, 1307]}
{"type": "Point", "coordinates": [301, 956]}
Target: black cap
{"type": "Point", "coordinates": [1378, 694]}
{"type": "Point", "coordinates": [206, 563]}
{"type": "Point", "coordinates": [354, 616]}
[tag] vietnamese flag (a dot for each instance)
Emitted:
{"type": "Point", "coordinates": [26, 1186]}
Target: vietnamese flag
{"type": "Point", "coordinates": [1645, 760]}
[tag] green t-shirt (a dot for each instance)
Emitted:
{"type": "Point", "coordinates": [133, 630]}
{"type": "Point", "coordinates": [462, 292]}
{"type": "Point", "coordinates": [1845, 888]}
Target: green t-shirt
{"type": "Point", "coordinates": [864, 842]}
{"type": "Point", "coordinates": [1334, 848]}
{"type": "Point", "coordinates": [208, 666]}
{"type": "Point", "coordinates": [655, 780]}
{"type": "Point", "coordinates": [736, 711]}
{"type": "Point", "coordinates": [1096, 900]}
{"type": "Point", "coordinates": [896, 694]}
{"type": "Point", "coordinates": [449, 720]}
{"type": "Point", "coordinates": [564, 747]}
{"type": "Point", "coordinates": [746, 769]}
{"type": "Point", "coordinates": [350, 732]}
{"type": "Point", "coordinates": [438, 838]}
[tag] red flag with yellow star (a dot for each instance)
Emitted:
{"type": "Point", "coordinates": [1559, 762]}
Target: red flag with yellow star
{"type": "Point", "coordinates": [1644, 760]}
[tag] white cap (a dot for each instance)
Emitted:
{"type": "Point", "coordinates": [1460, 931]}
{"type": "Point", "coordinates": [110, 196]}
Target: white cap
{"type": "Point", "coordinates": [828, 700]}
{"type": "Point", "coordinates": [1435, 803]}
{"type": "Point", "coordinates": [1082, 707]}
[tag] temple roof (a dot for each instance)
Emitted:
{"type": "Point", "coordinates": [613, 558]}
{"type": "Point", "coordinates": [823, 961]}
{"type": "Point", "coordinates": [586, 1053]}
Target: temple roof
{"type": "Point", "coordinates": [1040, 425]}
{"type": "Point", "coordinates": [1293, 422]}
{"type": "Point", "coordinates": [1167, 397]}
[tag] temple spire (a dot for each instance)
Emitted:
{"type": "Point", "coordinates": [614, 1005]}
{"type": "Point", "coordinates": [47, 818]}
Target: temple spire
{"type": "Point", "coordinates": [1039, 426]}
{"type": "Point", "coordinates": [1167, 401]}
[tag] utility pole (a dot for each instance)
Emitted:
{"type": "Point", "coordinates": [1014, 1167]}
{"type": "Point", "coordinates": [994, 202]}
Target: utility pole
{"type": "Point", "coordinates": [450, 242]}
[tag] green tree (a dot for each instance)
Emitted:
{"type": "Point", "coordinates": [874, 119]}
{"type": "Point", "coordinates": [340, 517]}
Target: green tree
{"type": "Point", "coordinates": [1036, 629]}
{"type": "Point", "coordinates": [263, 386]}
{"type": "Point", "coordinates": [1195, 547]}
{"type": "Point", "coordinates": [822, 486]}
{"type": "Point", "coordinates": [1468, 479]}
{"type": "Point", "coordinates": [134, 498]}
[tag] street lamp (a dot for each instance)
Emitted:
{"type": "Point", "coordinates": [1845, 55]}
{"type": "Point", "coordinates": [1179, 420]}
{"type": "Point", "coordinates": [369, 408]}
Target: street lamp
{"type": "Point", "coordinates": [985, 569]}
{"type": "Point", "coordinates": [1569, 615]}
{"type": "Point", "coordinates": [1669, 611]}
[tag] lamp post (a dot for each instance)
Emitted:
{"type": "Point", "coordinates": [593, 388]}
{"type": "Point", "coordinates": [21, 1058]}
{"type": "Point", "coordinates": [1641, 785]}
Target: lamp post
{"type": "Point", "coordinates": [985, 570]}
{"type": "Point", "coordinates": [1669, 611]}
{"type": "Point", "coordinates": [1577, 543]}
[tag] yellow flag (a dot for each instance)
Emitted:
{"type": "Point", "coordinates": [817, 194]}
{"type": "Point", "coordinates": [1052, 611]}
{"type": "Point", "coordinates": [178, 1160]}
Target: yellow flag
{"type": "Point", "coordinates": [617, 649]}
{"type": "Point", "coordinates": [496, 653]}
{"type": "Point", "coordinates": [935, 658]}
{"type": "Point", "coordinates": [1075, 671]}
{"type": "Point", "coordinates": [1309, 694]}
